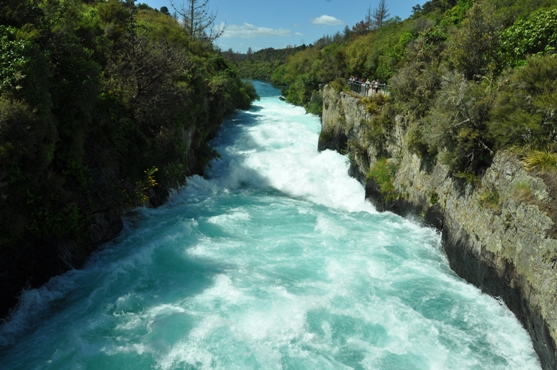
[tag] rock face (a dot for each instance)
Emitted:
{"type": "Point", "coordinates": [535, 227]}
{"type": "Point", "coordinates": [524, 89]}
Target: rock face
{"type": "Point", "coordinates": [495, 230]}
{"type": "Point", "coordinates": [32, 262]}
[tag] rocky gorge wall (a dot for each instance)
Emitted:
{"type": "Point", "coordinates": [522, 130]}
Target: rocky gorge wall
{"type": "Point", "coordinates": [32, 262]}
{"type": "Point", "coordinates": [496, 231]}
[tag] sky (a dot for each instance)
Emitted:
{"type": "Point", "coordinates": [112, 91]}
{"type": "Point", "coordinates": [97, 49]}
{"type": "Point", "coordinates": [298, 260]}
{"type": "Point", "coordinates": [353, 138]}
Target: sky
{"type": "Point", "coordinates": [261, 24]}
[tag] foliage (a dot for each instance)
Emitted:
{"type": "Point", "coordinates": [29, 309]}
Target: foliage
{"type": "Point", "coordinates": [359, 50]}
{"type": "Point", "coordinates": [489, 197]}
{"type": "Point", "coordinates": [473, 48]}
{"type": "Point", "coordinates": [339, 84]}
{"type": "Point", "coordinates": [103, 106]}
{"type": "Point", "coordinates": [383, 174]}
{"type": "Point", "coordinates": [535, 36]}
{"type": "Point", "coordinates": [457, 124]}
{"type": "Point", "coordinates": [416, 84]}
{"type": "Point", "coordinates": [381, 122]}
{"type": "Point", "coordinates": [445, 67]}
{"type": "Point", "coordinates": [523, 113]}
{"type": "Point", "coordinates": [262, 64]}
{"type": "Point", "coordinates": [315, 105]}
{"type": "Point", "coordinates": [541, 161]}
{"type": "Point", "coordinates": [379, 15]}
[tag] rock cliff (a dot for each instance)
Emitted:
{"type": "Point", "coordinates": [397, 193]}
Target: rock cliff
{"type": "Point", "coordinates": [497, 230]}
{"type": "Point", "coordinates": [33, 261]}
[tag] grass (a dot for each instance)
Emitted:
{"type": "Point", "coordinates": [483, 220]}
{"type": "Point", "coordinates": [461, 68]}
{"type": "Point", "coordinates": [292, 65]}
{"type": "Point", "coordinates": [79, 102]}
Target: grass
{"type": "Point", "coordinates": [540, 161]}
{"type": "Point", "coordinates": [523, 191]}
{"type": "Point", "coordinates": [490, 198]}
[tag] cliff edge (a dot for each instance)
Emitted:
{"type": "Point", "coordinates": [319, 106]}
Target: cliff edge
{"type": "Point", "coordinates": [497, 230]}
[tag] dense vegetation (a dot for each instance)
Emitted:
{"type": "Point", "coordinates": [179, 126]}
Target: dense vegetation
{"type": "Point", "coordinates": [261, 64]}
{"type": "Point", "coordinates": [104, 106]}
{"type": "Point", "coordinates": [467, 78]}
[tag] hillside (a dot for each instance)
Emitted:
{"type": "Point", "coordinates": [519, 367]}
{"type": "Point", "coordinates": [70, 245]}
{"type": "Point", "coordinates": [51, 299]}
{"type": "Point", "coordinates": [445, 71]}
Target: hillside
{"type": "Point", "coordinates": [104, 106]}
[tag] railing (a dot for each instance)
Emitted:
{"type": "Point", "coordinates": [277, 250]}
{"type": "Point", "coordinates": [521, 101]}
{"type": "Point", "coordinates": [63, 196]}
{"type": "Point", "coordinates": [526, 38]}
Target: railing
{"type": "Point", "coordinates": [367, 89]}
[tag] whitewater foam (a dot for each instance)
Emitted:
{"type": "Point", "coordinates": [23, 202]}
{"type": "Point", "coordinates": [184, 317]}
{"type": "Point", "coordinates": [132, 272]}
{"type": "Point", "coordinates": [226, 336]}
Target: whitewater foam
{"type": "Point", "coordinates": [274, 261]}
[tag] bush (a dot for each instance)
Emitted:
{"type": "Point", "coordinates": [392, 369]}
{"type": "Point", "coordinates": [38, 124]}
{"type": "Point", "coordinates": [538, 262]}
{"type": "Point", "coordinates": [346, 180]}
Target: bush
{"type": "Point", "coordinates": [473, 48]}
{"type": "Point", "coordinates": [523, 113]}
{"type": "Point", "coordinates": [339, 84]}
{"type": "Point", "coordinates": [535, 36]}
{"type": "Point", "coordinates": [457, 125]}
{"type": "Point", "coordinates": [383, 174]}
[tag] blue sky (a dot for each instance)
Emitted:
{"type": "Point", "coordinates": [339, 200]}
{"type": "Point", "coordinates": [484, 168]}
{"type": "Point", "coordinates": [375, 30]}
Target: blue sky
{"type": "Point", "coordinates": [261, 24]}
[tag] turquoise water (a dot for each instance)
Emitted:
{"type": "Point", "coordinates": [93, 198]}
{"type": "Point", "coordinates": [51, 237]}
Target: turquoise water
{"type": "Point", "coordinates": [275, 261]}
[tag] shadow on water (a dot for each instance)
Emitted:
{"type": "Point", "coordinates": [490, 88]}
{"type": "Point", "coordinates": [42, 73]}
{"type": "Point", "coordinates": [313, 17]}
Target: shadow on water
{"type": "Point", "coordinates": [148, 261]}
{"type": "Point", "coordinates": [145, 268]}
{"type": "Point", "coordinates": [256, 108]}
{"type": "Point", "coordinates": [233, 141]}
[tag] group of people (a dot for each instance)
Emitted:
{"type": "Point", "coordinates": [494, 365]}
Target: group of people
{"type": "Point", "coordinates": [372, 86]}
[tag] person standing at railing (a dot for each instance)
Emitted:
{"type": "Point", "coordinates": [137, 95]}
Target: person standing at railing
{"type": "Point", "coordinates": [367, 86]}
{"type": "Point", "coordinates": [375, 86]}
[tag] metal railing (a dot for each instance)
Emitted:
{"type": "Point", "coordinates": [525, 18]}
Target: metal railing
{"type": "Point", "coordinates": [367, 89]}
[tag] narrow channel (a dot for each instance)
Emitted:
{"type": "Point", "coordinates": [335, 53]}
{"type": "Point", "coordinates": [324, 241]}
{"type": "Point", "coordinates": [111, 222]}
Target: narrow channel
{"type": "Point", "coordinates": [274, 261]}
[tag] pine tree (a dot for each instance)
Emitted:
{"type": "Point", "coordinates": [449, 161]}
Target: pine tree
{"type": "Point", "coordinates": [198, 21]}
{"type": "Point", "coordinates": [379, 15]}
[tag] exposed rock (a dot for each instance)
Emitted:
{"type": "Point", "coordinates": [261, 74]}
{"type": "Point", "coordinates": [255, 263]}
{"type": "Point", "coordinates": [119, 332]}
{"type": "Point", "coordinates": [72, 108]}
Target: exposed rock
{"type": "Point", "coordinates": [33, 261]}
{"type": "Point", "coordinates": [495, 231]}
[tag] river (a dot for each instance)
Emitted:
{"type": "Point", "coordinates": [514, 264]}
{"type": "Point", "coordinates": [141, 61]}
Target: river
{"type": "Point", "coordinates": [273, 261]}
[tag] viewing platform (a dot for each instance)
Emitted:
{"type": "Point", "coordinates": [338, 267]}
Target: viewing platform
{"type": "Point", "coordinates": [367, 88]}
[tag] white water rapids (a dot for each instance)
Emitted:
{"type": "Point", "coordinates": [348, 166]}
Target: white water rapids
{"type": "Point", "coordinates": [275, 261]}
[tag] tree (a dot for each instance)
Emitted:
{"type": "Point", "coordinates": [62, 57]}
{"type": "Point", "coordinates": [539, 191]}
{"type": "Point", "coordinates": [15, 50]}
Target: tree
{"type": "Point", "coordinates": [416, 9]}
{"type": "Point", "coordinates": [379, 15]}
{"type": "Point", "coordinates": [197, 20]}
{"type": "Point", "coordinates": [368, 20]}
{"type": "Point", "coordinates": [524, 112]}
{"type": "Point", "coordinates": [474, 46]}
{"type": "Point", "coordinates": [360, 28]}
{"type": "Point", "coordinates": [456, 126]}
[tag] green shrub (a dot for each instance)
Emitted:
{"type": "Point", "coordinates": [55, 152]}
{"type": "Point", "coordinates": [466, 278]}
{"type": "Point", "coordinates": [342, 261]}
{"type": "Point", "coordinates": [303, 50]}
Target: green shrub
{"type": "Point", "coordinates": [456, 126]}
{"type": "Point", "coordinates": [383, 173]}
{"type": "Point", "coordinates": [523, 112]}
{"type": "Point", "coordinates": [315, 105]}
{"type": "Point", "coordinates": [339, 84]}
{"type": "Point", "coordinates": [536, 35]}
{"type": "Point", "coordinates": [433, 197]}
{"type": "Point", "coordinates": [473, 48]}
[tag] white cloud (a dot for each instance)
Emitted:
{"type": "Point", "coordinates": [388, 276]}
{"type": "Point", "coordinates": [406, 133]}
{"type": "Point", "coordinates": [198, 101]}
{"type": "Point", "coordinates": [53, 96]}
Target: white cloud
{"type": "Point", "coordinates": [327, 20]}
{"type": "Point", "coordinates": [248, 31]}
{"type": "Point", "coordinates": [298, 34]}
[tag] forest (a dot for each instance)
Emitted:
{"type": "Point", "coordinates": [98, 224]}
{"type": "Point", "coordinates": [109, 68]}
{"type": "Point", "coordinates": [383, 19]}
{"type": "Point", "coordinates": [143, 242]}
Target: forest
{"type": "Point", "coordinates": [104, 106]}
{"type": "Point", "coordinates": [467, 78]}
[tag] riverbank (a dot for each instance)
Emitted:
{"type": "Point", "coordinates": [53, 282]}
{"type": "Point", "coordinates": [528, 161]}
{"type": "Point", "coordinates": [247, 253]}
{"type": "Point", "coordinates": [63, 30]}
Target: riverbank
{"type": "Point", "coordinates": [273, 260]}
{"type": "Point", "coordinates": [497, 231]}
